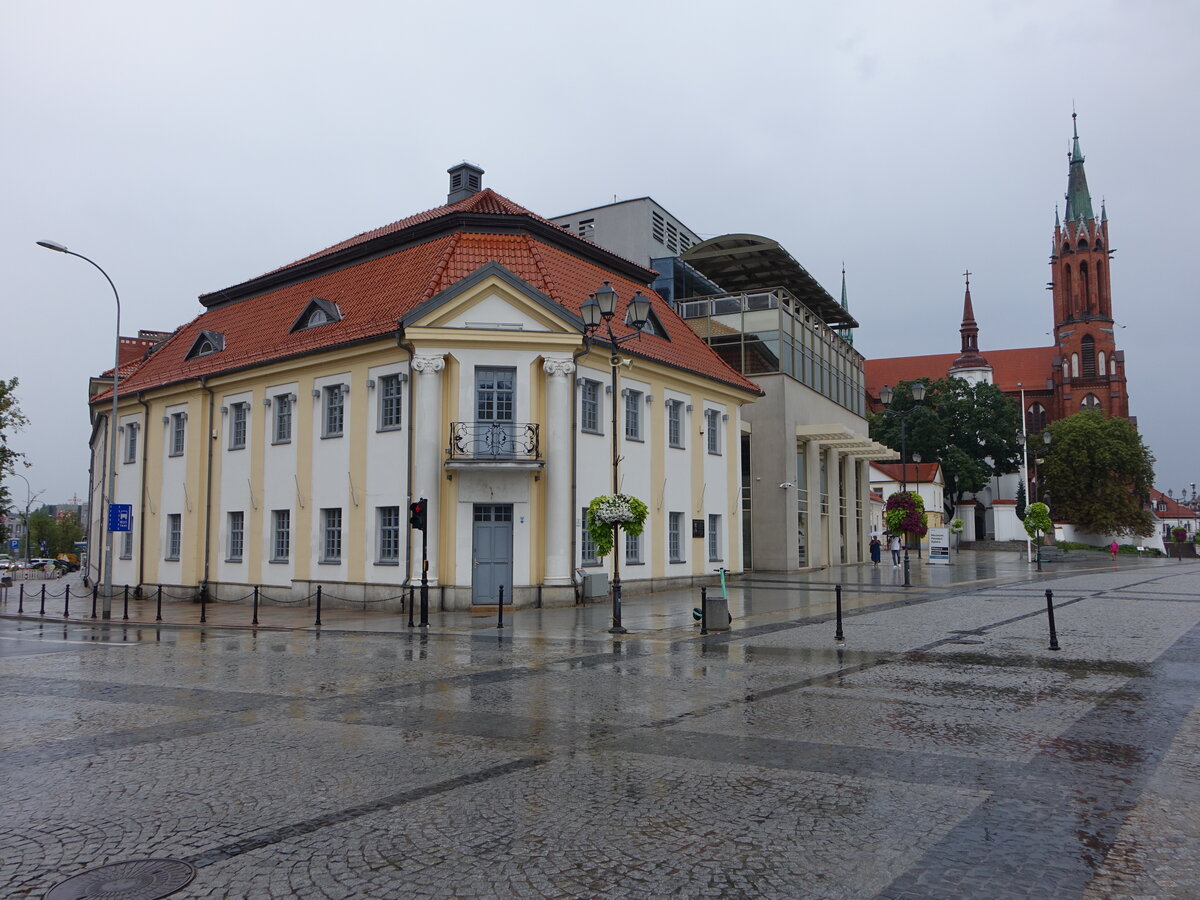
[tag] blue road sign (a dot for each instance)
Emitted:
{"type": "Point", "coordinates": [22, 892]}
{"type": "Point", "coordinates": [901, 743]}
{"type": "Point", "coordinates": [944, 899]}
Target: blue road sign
{"type": "Point", "coordinates": [14, 544]}
{"type": "Point", "coordinates": [120, 517]}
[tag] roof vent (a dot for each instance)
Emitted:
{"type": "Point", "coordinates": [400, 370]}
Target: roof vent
{"type": "Point", "coordinates": [465, 180]}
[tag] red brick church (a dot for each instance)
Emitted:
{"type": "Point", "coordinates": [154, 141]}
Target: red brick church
{"type": "Point", "coordinates": [1082, 369]}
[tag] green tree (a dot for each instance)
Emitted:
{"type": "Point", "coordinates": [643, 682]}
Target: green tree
{"type": "Point", "coordinates": [11, 420]}
{"type": "Point", "coordinates": [971, 429]}
{"type": "Point", "coordinates": [60, 535]}
{"type": "Point", "coordinates": [1022, 500]}
{"type": "Point", "coordinates": [1098, 473]}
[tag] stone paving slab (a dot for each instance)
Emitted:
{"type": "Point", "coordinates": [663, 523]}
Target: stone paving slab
{"type": "Point", "coordinates": [562, 762]}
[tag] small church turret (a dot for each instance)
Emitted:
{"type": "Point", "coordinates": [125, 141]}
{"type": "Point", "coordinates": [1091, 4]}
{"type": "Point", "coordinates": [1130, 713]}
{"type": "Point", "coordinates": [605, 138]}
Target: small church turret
{"type": "Point", "coordinates": [970, 364]}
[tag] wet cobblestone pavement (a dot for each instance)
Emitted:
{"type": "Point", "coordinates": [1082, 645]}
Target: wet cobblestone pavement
{"type": "Point", "coordinates": [941, 751]}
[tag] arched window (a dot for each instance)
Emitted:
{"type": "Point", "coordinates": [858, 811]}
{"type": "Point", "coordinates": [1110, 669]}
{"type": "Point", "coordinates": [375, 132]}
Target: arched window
{"type": "Point", "coordinates": [1035, 418]}
{"type": "Point", "coordinates": [1066, 370]}
{"type": "Point", "coordinates": [1085, 288]}
{"type": "Point", "coordinates": [317, 317]}
{"type": "Point", "coordinates": [1101, 291]}
{"type": "Point", "coordinates": [1103, 366]}
{"type": "Point", "coordinates": [1091, 401]}
{"type": "Point", "coordinates": [1088, 347]}
{"type": "Point", "coordinates": [1068, 293]}
{"type": "Point", "coordinates": [1074, 365]}
{"type": "Point", "coordinates": [1082, 244]}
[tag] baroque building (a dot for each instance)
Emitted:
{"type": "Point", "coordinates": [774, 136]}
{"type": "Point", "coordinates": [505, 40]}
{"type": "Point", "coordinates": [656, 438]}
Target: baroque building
{"type": "Point", "coordinates": [279, 437]}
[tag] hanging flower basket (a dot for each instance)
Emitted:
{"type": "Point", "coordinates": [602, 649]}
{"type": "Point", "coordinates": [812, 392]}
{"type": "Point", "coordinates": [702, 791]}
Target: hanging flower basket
{"type": "Point", "coordinates": [614, 509]}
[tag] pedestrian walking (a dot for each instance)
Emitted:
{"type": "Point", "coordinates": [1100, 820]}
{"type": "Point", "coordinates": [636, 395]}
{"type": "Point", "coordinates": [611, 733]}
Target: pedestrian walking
{"type": "Point", "coordinates": [1113, 550]}
{"type": "Point", "coordinates": [894, 546]}
{"type": "Point", "coordinates": [876, 549]}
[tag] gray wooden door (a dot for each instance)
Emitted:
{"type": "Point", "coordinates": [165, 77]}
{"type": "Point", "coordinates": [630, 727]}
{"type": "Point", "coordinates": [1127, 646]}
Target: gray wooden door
{"type": "Point", "coordinates": [491, 553]}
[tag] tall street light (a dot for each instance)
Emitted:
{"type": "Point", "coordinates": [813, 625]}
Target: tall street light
{"type": "Point", "coordinates": [112, 429]}
{"type": "Point", "coordinates": [1024, 438]}
{"type": "Point", "coordinates": [886, 395]}
{"type": "Point", "coordinates": [30, 496]}
{"type": "Point", "coordinates": [602, 306]}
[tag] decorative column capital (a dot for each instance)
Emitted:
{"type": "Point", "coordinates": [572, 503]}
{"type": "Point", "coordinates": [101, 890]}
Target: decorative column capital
{"type": "Point", "coordinates": [429, 363]}
{"type": "Point", "coordinates": [554, 365]}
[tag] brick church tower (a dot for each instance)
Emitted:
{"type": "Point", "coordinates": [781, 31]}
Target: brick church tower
{"type": "Point", "coordinates": [1089, 370]}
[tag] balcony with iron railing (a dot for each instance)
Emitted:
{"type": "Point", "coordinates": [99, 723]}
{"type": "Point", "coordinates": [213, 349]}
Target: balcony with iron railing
{"type": "Point", "coordinates": [506, 445]}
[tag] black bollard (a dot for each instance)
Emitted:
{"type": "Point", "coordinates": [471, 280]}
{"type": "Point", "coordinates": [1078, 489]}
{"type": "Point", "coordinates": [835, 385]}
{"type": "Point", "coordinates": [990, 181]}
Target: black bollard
{"type": "Point", "coordinates": [907, 583]}
{"type": "Point", "coordinates": [1050, 616]}
{"type": "Point", "coordinates": [158, 603]}
{"type": "Point", "coordinates": [42, 611]}
{"type": "Point", "coordinates": [838, 636]}
{"type": "Point", "coordinates": [21, 599]}
{"type": "Point", "coordinates": [255, 622]}
{"type": "Point", "coordinates": [703, 609]}
{"type": "Point", "coordinates": [95, 594]}
{"type": "Point", "coordinates": [411, 597]}
{"type": "Point", "coordinates": [318, 622]}
{"type": "Point", "coordinates": [500, 607]}
{"type": "Point", "coordinates": [204, 603]}
{"type": "Point", "coordinates": [67, 603]}
{"type": "Point", "coordinates": [126, 615]}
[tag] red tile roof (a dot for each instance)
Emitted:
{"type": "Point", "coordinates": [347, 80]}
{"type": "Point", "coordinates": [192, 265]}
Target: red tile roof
{"type": "Point", "coordinates": [372, 294]}
{"type": "Point", "coordinates": [1175, 510]}
{"type": "Point", "coordinates": [1031, 366]}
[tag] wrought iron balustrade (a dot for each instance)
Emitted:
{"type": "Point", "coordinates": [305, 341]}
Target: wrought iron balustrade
{"type": "Point", "coordinates": [500, 441]}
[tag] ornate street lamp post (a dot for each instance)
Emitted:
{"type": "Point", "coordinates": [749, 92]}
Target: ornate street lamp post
{"type": "Point", "coordinates": [886, 395]}
{"type": "Point", "coordinates": [112, 430]}
{"type": "Point", "coordinates": [601, 307]}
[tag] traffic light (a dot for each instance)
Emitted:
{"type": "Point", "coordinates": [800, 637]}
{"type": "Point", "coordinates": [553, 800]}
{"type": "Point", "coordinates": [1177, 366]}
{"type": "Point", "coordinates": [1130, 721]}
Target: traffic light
{"type": "Point", "coordinates": [416, 513]}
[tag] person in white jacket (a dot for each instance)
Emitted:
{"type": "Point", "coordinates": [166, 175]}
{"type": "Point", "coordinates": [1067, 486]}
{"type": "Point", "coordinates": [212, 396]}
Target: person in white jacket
{"type": "Point", "coordinates": [894, 546]}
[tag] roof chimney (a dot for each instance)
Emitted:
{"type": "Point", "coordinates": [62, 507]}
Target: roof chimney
{"type": "Point", "coordinates": [465, 180]}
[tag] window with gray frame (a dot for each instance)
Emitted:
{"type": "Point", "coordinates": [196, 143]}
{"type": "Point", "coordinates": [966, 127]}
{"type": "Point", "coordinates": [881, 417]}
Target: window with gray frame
{"type": "Point", "coordinates": [714, 539]}
{"type": "Point", "coordinates": [281, 535]}
{"type": "Point", "coordinates": [633, 414]}
{"type": "Point", "coordinates": [675, 423]}
{"type": "Point", "coordinates": [389, 402]}
{"type": "Point", "coordinates": [587, 547]}
{"type": "Point", "coordinates": [127, 545]}
{"type": "Point", "coordinates": [331, 535]}
{"type": "Point", "coordinates": [388, 519]}
{"type": "Point", "coordinates": [589, 406]}
{"type": "Point", "coordinates": [131, 442]}
{"type": "Point", "coordinates": [174, 534]}
{"type": "Point", "coordinates": [712, 427]}
{"type": "Point", "coordinates": [633, 549]}
{"type": "Point", "coordinates": [282, 405]}
{"type": "Point", "coordinates": [675, 537]}
{"type": "Point", "coordinates": [178, 433]}
{"type": "Point", "coordinates": [237, 536]}
{"type": "Point", "coordinates": [238, 413]}
{"type": "Point", "coordinates": [335, 411]}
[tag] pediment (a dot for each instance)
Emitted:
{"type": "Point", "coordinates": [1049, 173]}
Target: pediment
{"type": "Point", "coordinates": [494, 299]}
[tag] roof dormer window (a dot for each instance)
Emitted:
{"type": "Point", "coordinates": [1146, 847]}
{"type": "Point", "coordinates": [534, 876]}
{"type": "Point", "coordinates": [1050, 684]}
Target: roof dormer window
{"type": "Point", "coordinates": [318, 312]}
{"type": "Point", "coordinates": [206, 342]}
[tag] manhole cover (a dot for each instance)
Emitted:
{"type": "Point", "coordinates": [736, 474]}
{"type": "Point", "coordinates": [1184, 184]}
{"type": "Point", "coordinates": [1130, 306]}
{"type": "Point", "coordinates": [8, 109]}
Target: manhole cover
{"type": "Point", "coordinates": [134, 879]}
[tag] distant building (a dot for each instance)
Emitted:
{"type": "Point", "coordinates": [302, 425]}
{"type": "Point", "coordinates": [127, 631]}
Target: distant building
{"type": "Point", "coordinates": [1082, 369]}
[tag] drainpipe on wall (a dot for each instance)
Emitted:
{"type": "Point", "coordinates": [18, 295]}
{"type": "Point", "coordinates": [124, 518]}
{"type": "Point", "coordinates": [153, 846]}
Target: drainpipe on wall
{"type": "Point", "coordinates": [575, 357]}
{"type": "Point", "coordinates": [408, 541]}
{"type": "Point", "coordinates": [91, 499]}
{"type": "Point", "coordinates": [141, 576]}
{"type": "Point", "coordinates": [209, 440]}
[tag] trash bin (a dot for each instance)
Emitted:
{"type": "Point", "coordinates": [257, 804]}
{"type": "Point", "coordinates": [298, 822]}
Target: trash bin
{"type": "Point", "coordinates": [718, 612]}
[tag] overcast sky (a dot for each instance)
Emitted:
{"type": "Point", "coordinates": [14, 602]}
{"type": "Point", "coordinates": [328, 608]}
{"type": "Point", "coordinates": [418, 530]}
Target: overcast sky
{"type": "Point", "coordinates": [188, 146]}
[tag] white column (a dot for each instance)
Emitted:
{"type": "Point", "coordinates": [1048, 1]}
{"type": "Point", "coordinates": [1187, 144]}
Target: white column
{"type": "Point", "coordinates": [833, 468]}
{"type": "Point", "coordinates": [864, 495]}
{"type": "Point", "coordinates": [853, 544]}
{"type": "Point", "coordinates": [430, 430]}
{"type": "Point", "coordinates": [559, 465]}
{"type": "Point", "coordinates": [812, 522]}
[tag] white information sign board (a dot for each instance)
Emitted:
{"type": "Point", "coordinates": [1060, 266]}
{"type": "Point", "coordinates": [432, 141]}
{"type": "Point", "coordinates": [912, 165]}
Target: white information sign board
{"type": "Point", "coordinates": [939, 546]}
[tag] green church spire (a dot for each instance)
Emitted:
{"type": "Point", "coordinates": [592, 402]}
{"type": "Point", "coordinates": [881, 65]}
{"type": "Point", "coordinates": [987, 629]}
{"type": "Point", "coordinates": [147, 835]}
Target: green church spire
{"type": "Point", "coordinates": [847, 333]}
{"type": "Point", "coordinates": [1079, 201]}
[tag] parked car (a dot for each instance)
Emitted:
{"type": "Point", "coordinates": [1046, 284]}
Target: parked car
{"type": "Point", "coordinates": [66, 565]}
